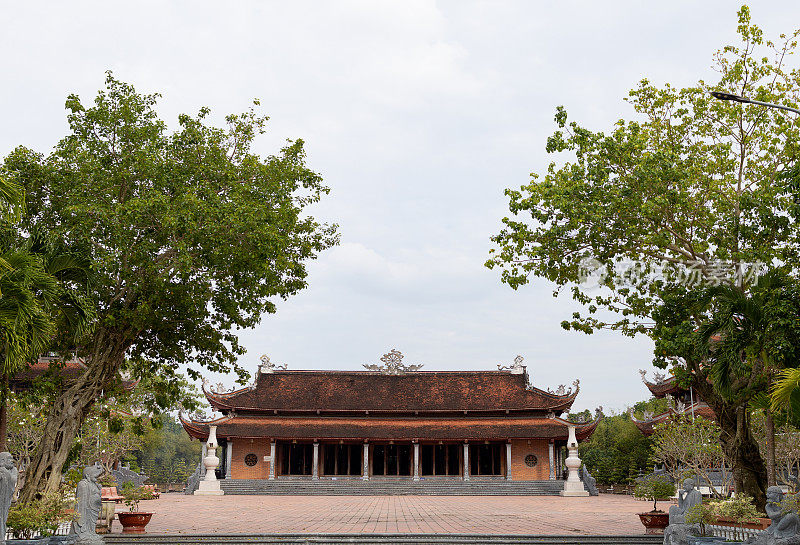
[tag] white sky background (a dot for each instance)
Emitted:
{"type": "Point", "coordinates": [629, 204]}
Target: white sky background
{"type": "Point", "coordinates": [418, 114]}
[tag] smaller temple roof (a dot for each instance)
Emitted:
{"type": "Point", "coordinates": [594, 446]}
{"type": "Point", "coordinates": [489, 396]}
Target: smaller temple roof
{"type": "Point", "coordinates": [387, 429]}
{"type": "Point", "coordinates": [648, 424]}
{"type": "Point", "coordinates": [67, 369]}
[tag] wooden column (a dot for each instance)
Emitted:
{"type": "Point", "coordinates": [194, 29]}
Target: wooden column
{"type": "Point", "coordinates": [466, 461]}
{"type": "Point", "coordinates": [272, 460]}
{"type": "Point", "coordinates": [551, 452]}
{"type": "Point", "coordinates": [315, 462]}
{"type": "Point", "coordinates": [508, 461]}
{"type": "Point", "coordinates": [416, 461]}
{"type": "Point", "coordinates": [228, 457]}
{"type": "Point", "coordinates": [365, 469]}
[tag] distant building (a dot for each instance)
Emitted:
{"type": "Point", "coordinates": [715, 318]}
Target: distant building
{"type": "Point", "coordinates": [391, 421]}
{"type": "Point", "coordinates": [686, 403]}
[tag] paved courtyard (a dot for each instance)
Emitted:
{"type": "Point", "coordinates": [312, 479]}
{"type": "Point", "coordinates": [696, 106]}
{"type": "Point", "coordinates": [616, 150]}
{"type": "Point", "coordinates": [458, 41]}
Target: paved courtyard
{"type": "Point", "coordinates": [603, 515]}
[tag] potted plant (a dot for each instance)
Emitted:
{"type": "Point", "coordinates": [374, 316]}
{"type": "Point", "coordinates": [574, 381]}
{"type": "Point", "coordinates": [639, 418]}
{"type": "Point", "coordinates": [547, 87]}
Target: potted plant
{"type": "Point", "coordinates": [134, 521]}
{"type": "Point", "coordinates": [109, 506]}
{"type": "Point", "coordinates": [703, 514]}
{"type": "Point", "coordinates": [654, 488]}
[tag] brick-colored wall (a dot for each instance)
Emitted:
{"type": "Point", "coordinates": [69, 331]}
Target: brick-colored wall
{"type": "Point", "coordinates": [521, 448]}
{"type": "Point", "coordinates": [243, 447]}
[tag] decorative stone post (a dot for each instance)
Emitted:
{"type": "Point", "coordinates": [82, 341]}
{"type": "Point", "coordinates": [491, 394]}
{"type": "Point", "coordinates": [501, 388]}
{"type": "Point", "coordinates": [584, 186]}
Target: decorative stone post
{"type": "Point", "coordinates": [272, 450]}
{"type": "Point", "coordinates": [466, 461]}
{"type": "Point", "coordinates": [416, 461]}
{"type": "Point", "coordinates": [365, 469]}
{"type": "Point", "coordinates": [209, 486]}
{"type": "Point", "coordinates": [315, 462]}
{"type": "Point", "coordinates": [551, 453]}
{"type": "Point", "coordinates": [573, 486]}
{"type": "Point", "coordinates": [228, 458]}
{"type": "Point", "coordinates": [508, 461]}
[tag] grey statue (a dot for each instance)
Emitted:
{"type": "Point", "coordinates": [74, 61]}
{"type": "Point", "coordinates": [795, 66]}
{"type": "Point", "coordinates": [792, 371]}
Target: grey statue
{"type": "Point", "coordinates": [8, 483]}
{"type": "Point", "coordinates": [126, 475]}
{"type": "Point", "coordinates": [194, 481]}
{"type": "Point", "coordinates": [589, 481]}
{"type": "Point", "coordinates": [87, 508]}
{"type": "Point", "coordinates": [678, 532]}
{"type": "Point", "coordinates": [785, 527]}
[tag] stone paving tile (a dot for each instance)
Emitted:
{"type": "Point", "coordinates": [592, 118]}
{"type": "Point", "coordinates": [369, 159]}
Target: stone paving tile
{"type": "Point", "coordinates": [603, 515]}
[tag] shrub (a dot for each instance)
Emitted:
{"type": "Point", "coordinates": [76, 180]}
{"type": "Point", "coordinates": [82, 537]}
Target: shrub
{"type": "Point", "coordinates": [654, 487]}
{"type": "Point", "coordinates": [703, 514]}
{"type": "Point", "coordinates": [134, 494]}
{"type": "Point", "coordinates": [741, 510]}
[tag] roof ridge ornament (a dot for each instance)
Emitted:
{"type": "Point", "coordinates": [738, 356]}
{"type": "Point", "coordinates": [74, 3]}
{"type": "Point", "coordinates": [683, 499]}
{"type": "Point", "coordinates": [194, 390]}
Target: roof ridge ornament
{"type": "Point", "coordinates": [515, 368]}
{"type": "Point", "coordinates": [392, 364]}
{"type": "Point", "coordinates": [267, 366]}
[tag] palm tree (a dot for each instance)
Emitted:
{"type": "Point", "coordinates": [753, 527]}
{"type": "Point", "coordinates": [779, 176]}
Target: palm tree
{"type": "Point", "coordinates": [751, 337]}
{"type": "Point", "coordinates": [785, 393]}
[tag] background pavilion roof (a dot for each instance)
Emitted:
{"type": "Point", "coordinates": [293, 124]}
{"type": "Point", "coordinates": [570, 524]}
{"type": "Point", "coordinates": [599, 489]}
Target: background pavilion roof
{"type": "Point", "coordinates": [384, 429]}
{"type": "Point", "coordinates": [647, 425]}
{"type": "Point", "coordinates": [411, 392]}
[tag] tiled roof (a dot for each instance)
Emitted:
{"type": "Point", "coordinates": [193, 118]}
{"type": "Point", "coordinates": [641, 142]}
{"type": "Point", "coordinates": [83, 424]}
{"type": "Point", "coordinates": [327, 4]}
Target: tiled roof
{"type": "Point", "coordinates": [668, 386]}
{"type": "Point", "coordinates": [68, 370]}
{"type": "Point", "coordinates": [377, 429]}
{"type": "Point", "coordinates": [647, 427]}
{"type": "Point", "coordinates": [414, 392]}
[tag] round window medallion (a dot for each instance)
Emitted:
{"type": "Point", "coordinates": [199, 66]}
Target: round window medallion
{"type": "Point", "coordinates": [251, 460]}
{"type": "Point", "coordinates": [531, 460]}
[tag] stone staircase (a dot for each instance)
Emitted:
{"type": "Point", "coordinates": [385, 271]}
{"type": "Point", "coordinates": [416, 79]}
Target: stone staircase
{"type": "Point", "coordinates": [382, 539]}
{"type": "Point", "coordinates": [387, 487]}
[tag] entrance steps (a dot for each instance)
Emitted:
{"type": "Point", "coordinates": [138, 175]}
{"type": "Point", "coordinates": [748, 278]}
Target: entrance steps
{"type": "Point", "coordinates": [379, 539]}
{"type": "Point", "coordinates": [390, 487]}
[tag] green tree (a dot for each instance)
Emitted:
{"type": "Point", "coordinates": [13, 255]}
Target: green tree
{"type": "Point", "coordinates": [192, 235]}
{"type": "Point", "coordinates": [687, 195]}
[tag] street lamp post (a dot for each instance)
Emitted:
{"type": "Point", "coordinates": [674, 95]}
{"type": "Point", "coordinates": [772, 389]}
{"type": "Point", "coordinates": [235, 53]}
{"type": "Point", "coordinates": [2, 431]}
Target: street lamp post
{"type": "Point", "coordinates": [736, 98]}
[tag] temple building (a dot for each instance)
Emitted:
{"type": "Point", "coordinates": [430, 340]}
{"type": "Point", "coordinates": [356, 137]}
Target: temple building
{"type": "Point", "coordinates": [684, 402]}
{"type": "Point", "coordinates": [391, 421]}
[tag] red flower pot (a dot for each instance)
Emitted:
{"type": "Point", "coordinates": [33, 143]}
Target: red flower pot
{"type": "Point", "coordinates": [134, 522]}
{"type": "Point", "coordinates": [654, 521]}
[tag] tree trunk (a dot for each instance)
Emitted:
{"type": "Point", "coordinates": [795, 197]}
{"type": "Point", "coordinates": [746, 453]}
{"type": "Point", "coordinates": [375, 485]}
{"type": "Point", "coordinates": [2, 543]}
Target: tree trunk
{"type": "Point", "coordinates": [70, 408]}
{"type": "Point", "coordinates": [738, 443]}
{"type": "Point", "coordinates": [4, 414]}
{"type": "Point", "coordinates": [772, 470]}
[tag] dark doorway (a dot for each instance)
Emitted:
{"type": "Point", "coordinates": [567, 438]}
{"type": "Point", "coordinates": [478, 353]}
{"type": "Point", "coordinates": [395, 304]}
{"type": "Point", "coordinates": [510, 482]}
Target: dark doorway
{"type": "Point", "coordinates": [341, 459]}
{"type": "Point", "coordinates": [391, 460]}
{"type": "Point", "coordinates": [296, 458]}
{"type": "Point", "coordinates": [485, 459]}
{"type": "Point", "coordinates": [439, 460]}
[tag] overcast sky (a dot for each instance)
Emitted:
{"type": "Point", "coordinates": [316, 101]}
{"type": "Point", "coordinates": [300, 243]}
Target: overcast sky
{"type": "Point", "coordinates": [418, 114]}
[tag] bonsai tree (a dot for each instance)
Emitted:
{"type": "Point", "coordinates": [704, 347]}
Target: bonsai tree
{"type": "Point", "coordinates": [107, 480]}
{"type": "Point", "coordinates": [703, 514]}
{"type": "Point", "coordinates": [133, 495]}
{"type": "Point", "coordinates": [654, 487]}
{"type": "Point", "coordinates": [741, 510]}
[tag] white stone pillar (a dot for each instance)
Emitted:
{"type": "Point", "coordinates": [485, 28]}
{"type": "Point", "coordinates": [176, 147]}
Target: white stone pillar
{"type": "Point", "coordinates": [365, 469]}
{"type": "Point", "coordinates": [573, 486]}
{"type": "Point", "coordinates": [551, 452]}
{"type": "Point", "coordinates": [315, 462]}
{"type": "Point", "coordinates": [466, 461]}
{"type": "Point", "coordinates": [228, 458]}
{"type": "Point", "coordinates": [272, 460]}
{"type": "Point", "coordinates": [416, 461]}
{"type": "Point", "coordinates": [508, 461]}
{"type": "Point", "coordinates": [209, 486]}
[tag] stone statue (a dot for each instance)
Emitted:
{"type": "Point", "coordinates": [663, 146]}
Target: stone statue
{"type": "Point", "coordinates": [125, 475]}
{"type": "Point", "coordinates": [785, 527]}
{"type": "Point", "coordinates": [8, 483]}
{"type": "Point", "coordinates": [678, 532]}
{"type": "Point", "coordinates": [589, 481]}
{"type": "Point", "coordinates": [87, 508]}
{"type": "Point", "coordinates": [194, 480]}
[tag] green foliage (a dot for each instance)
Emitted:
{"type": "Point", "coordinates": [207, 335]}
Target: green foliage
{"type": "Point", "coordinates": [40, 516]}
{"type": "Point", "coordinates": [704, 513]}
{"type": "Point", "coordinates": [741, 510]}
{"type": "Point", "coordinates": [107, 480]}
{"type": "Point", "coordinates": [168, 455]}
{"type": "Point", "coordinates": [617, 451]}
{"type": "Point", "coordinates": [654, 488]}
{"type": "Point", "coordinates": [134, 494]}
{"type": "Point", "coordinates": [690, 448]}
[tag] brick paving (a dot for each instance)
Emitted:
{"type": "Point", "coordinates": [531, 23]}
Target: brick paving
{"type": "Point", "coordinates": [604, 515]}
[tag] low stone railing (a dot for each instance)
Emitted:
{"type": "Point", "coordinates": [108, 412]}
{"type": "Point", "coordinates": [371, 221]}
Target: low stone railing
{"type": "Point", "coordinates": [731, 531]}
